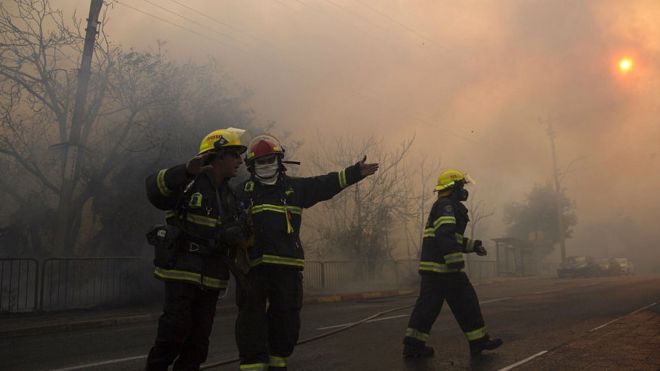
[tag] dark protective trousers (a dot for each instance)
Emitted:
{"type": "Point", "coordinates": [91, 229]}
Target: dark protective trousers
{"type": "Point", "coordinates": [435, 289]}
{"type": "Point", "coordinates": [268, 320]}
{"type": "Point", "coordinates": [184, 327]}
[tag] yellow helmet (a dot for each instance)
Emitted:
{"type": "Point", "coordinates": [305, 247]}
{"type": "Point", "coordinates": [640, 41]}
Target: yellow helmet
{"type": "Point", "coordinates": [222, 139]}
{"type": "Point", "coordinates": [449, 177]}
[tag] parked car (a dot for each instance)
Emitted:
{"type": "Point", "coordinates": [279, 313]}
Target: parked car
{"type": "Point", "coordinates": [604, 266]}
{"type": "Point", "coordinates": [578, 266]}
{"type": "Point", "coordinates": [621, 267]}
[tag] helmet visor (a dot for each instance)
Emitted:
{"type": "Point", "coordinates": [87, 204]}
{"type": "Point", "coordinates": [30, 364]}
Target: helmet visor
{"type": "Point", "coordinates": [470, 180]}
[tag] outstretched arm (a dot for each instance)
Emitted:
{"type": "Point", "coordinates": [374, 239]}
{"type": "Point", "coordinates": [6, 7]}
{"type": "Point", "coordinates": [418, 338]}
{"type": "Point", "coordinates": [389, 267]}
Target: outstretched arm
{"type": "Point", "coordinates": [324, 187]}
{"type": "Point", "coordinates": [367, 169]}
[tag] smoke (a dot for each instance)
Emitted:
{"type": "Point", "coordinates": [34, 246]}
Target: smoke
{"type": "Point", "coordinates": [476, 83]}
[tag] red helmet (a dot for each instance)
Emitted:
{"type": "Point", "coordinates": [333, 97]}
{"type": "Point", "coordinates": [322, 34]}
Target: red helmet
{"type": "Point", "coordinates": [264, 145]}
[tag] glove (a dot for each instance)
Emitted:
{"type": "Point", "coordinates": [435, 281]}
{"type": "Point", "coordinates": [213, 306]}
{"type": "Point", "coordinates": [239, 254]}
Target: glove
{"type": "Point", "coordinates": [479, 248]}
{"type": "Point", "coordinates": [232, 234]}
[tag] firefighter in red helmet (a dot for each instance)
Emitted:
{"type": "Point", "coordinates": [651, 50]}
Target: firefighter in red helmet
{"type": "Point", "coordinates": [268, 322]}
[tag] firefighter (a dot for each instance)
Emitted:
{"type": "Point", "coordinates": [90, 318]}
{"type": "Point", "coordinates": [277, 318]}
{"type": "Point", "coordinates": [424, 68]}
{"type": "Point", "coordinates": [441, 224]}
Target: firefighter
{"type": "Point", "coordinates": [442, 276]}
{"type": "Point", "coordinates": [203, 220]}
{"type": "Point", "coordinates": [268, 322]}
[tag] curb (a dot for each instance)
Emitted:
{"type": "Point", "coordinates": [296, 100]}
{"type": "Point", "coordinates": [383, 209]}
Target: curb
{"type": "Point", "coordinates": [130, 319]}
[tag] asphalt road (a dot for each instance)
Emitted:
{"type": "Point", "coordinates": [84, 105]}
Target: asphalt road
{"type": "Point", "coordinates": [531, 315]}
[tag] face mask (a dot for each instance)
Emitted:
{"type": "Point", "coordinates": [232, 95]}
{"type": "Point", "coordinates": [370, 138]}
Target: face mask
{"type": "Point", "coordinates": [463, 195]}
{"type": "Point", "coordinates": [267, 173]}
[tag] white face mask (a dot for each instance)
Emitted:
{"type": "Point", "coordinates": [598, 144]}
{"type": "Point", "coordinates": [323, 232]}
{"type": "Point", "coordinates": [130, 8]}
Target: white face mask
{"type": "Point", "coordinates": [267, 173]}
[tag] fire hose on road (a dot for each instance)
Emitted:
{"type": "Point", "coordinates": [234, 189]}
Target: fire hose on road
{"type": "Point", "coordinates": [318, 337]}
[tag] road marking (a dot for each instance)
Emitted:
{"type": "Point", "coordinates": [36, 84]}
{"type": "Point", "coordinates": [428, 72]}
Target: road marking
{"type": "Point", "coordinates": [592, 330]}
{"type": "Point", "coordinates": [386, 318]}
{"type": "Point", "coordinates": [495, 300]}
{"type": "Point", "coordinates": [523, 361]}
{"type": "Point", "coordinates": [616, 319]}
{"type": "Point", "coordinates": [370, 321]}
{"type": "Point", "coordinates": [119, 360]}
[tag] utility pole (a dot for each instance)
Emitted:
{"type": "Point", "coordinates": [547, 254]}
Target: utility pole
{"type": "Point", "coordinates": [555, 171]}
{"type": "Point", "coordinates": [72, 150]}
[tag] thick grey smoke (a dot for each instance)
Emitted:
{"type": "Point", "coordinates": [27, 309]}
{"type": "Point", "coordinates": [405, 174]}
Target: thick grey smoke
{"type": "Point", "coordinates": [475, 81]}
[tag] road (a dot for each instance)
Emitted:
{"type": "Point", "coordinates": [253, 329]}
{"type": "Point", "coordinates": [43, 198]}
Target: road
{"type": "Point", "coordinates": [531, 315]}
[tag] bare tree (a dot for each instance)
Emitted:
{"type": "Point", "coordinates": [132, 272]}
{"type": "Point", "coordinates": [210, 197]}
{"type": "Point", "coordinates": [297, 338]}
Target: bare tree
{"type": "Point", "coordinates": [428, 172]}
{"type": "Point", "coordinates": [478, 211]}
{"type": "Point", "coordinates": [36, 89]}
{"type": "Point", "coordinates": [359, 222]}
{"type": "Point", "coordinates": [141, 108]}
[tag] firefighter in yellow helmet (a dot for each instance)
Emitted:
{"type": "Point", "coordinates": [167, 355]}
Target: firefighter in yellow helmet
{"type": "Point", "coordinates": [441, 269]}
{"type": "Point", "coordinates": [203, 223]}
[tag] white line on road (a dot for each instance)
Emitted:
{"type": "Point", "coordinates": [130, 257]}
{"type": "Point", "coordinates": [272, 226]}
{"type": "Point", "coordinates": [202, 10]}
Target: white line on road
{"type": "Point", "coordinates": [616, 319]}
{"type": "Point", "coordinates": [80, 367]}
{"type": "Point", "coordinates": [507, 368]}
{"type": "Point", "coordinates": [592, 330]}
{"type": "Point", "coordinates": [370, 321]}
{"type": "Point", "coordinates": [495, 300]}
{"type": "Point", "coordinates": [386, 318]}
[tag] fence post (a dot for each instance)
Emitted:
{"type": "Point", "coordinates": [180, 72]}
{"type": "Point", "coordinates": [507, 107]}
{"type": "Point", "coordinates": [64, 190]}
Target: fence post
{"type": "Point", "coordinates": [41, 286]}
{"type": "Point", "coordinates": [36, 285]}
{"type": "Point", "coordinates": [322, 274]}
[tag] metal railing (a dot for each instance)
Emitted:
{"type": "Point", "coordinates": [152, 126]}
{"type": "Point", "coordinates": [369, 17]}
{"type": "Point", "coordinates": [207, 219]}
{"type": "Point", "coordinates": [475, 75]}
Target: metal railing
{"type": "Point", "coordinates": [68, 283]}
{"type": "Point", "coordinates": [350, 274]}
{"type": "Point", "coordinates": [18, 285]}
{"type": "Point", "coordinates": [72, 283]}
{"type": "Point", "coordinates": [481, 268]}
{"type": "Point", "coordinates": [381, 274]}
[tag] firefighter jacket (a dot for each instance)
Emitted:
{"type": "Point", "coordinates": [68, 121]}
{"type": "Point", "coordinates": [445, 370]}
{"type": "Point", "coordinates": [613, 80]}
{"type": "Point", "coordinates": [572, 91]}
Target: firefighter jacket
{"type": "Point", "coordinates": [199, 208]}
{"type": "Point", "coordinates": [275, 212]}
{"type": "Point", "coordinates": [444, 244]}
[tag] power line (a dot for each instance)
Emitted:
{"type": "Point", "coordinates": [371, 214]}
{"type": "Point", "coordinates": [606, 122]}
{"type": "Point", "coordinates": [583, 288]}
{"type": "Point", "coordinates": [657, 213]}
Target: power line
{"type": "Point", "coordinates": [289, 64]}
{"type": "Point", "coordinates": [435, 46]}
{"type": "Point", "coordinates": [225, 24]}
{"type": "Point", "coordinates": [357, 14]}
{"type": "Point", "coordinates": [321, 11]}
{"type": "Point", "coordinates": [407, 28]}
{"type": "Point", "coordinates": [182, 16]}
{"type": "Point", "coordinates": [176, 25]}
{"type": "Point", "coordinates": [286, 63]}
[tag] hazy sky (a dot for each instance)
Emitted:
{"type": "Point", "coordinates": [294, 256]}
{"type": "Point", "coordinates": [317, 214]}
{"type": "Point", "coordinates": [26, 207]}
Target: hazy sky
{"type": "Point", "coordinates": [473, 80]}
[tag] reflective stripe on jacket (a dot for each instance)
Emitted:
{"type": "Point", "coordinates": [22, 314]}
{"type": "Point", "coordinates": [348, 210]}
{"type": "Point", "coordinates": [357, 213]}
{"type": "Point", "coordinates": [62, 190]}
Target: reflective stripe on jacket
{"type": "Point", "coordinates": [196, 211]}
{"type": "Point", "coordinates": [444, 244]}
{"type": "Point", "coordinates": [276, 213]}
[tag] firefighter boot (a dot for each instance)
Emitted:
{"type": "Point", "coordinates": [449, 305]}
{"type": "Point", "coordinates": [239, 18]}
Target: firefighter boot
{"type": "Point", "coordinates": [484, 344]}
{"type": "Point", "coordinates": [417, 351]}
